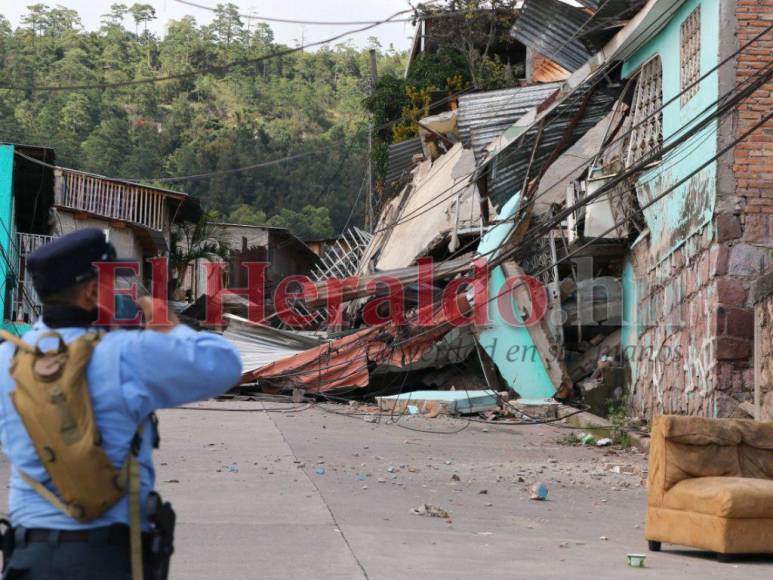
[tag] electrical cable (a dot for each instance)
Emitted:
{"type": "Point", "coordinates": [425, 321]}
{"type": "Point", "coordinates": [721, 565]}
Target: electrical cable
{"type": "Point", "coordinates": [617, 225]}
{"type": "Point", "coordinates": [619, 138]}
{"type": "Point", "coordinates": [294, 21]}
{"type": "Point", "coordinates": [206, 70]}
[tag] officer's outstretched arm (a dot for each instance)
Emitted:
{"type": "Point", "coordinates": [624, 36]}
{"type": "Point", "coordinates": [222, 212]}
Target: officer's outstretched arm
{"type": "Point", "coordinates": [161, 370]}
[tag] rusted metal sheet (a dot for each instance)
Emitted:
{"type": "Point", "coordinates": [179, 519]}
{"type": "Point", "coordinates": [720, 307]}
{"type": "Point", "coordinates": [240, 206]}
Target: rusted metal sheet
{"type": "Point", "coordinates": [260, 345]}
{"type": "Point", "coordinates": [551, 27]}
{"type": "Point", "coordinates": [346, 362]}
{"type": "Point", "coordinates": [482, 117]}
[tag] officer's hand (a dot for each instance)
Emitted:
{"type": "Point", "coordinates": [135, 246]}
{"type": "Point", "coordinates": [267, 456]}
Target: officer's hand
{"type": "Point", "coordinates": [157, 314]}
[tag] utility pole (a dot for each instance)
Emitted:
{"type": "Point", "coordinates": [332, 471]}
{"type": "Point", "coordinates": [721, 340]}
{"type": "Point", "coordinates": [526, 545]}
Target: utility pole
{"type": "Point", "coordinates": [369, 209]}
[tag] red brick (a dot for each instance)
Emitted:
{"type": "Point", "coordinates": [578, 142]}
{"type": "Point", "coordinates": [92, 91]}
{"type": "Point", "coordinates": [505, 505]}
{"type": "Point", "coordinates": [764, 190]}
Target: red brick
{"type": "Point", "coordinates": [729, 348]}
{"type": "Point", "coordinates": [739, 322]}
{"type": "Point", "coordinates": [730, 291]}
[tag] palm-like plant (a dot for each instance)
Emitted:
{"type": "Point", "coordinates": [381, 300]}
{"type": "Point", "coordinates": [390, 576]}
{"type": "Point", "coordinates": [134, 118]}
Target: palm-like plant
{"type": "Point", "coordinates": [201, 240]}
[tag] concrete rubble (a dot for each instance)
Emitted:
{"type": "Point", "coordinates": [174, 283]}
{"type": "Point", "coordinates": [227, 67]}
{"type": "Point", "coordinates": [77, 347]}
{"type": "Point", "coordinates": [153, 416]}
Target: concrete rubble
{"type": "Point", "coordinates": [545, 184]}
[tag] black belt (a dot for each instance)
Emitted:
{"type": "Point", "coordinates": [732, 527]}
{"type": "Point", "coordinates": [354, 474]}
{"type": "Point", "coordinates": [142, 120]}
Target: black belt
{"type": "Point", "coordinates": [117, 535]}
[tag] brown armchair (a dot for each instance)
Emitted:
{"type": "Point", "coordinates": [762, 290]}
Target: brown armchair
{"type": "Point", "coordinates": [711, 485]}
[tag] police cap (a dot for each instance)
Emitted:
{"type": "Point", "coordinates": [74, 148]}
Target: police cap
{"type": "Point", "coordinates": [68, 260]}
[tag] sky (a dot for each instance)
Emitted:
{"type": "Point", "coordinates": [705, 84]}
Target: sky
{"type": "Point", "coordinates": [397, 34]}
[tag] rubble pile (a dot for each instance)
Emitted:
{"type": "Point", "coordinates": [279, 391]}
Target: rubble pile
{"type": "Point", "coordinates": [500, 259]}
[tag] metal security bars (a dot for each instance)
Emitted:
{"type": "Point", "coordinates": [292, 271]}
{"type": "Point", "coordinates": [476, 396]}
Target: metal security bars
{"type": "Point", "coordinates": [690, 55]}
{"type": "Point", "coordinates": [647, 116]}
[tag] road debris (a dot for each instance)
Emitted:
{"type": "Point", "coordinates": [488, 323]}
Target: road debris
{"type": "Point", "coordinates": [432, 511]}
{"type": "Point", "coordinates": [539, 492]}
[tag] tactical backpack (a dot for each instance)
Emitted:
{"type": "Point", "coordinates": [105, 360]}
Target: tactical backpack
{"type": "Point", "coordinates": [53, 400]}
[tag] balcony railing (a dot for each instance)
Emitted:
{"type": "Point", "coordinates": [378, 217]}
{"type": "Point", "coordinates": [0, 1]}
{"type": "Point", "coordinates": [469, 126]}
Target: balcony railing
{"type": "Point", "coordinates": [25, 304]}
{"type": "Point", "coordinates": [111, 199]}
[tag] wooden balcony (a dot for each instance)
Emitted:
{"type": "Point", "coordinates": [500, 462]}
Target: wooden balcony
{"type": "Point", "coordinates": [114, 199]}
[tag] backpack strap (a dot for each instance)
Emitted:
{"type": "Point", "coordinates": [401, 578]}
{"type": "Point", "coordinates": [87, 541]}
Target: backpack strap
{"type": "Point", "coordinates": [19, 342]}
{"type": "Point", "coordinates": [48, 495]}
{"type": "Point", "coordinates": [135, 516]}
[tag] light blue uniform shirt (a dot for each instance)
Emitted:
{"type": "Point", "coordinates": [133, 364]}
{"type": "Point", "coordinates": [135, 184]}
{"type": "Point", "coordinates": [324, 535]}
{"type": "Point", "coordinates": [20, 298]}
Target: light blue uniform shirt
{"type": "Point", "coordinates": [131, 374]}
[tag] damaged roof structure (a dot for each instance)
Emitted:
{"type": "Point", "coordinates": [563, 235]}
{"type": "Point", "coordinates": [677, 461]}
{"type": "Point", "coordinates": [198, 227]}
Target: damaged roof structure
{"type": "Point", "coordinates": [565, 222]}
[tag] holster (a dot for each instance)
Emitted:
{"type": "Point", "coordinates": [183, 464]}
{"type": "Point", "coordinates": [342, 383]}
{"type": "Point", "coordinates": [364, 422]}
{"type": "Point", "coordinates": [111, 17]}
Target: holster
{"type": "Point", "coordinates": [6, 541]}
{"type": "Point", "coordinates": [161, 547]}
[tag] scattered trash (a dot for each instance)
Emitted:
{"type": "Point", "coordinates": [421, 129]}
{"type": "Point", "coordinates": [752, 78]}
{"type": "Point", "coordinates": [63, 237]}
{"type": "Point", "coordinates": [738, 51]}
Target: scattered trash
{"type": "Point", "coordinates": [233, 468]}
{"type": "Point", "coordinates": [320, 471]}
{"type": "Point", "coordinates": [432, 511]}
{"type": "Point", "coordinates": [539, 492]}
{"type": "Point", "coordinates": [603, 538]}
{"type": "Point", "coordinates": [413, 409]}
{"type": "Point", "coordinates": [636, 560]}
{"type": "Point", "coordinates": [606, 442]}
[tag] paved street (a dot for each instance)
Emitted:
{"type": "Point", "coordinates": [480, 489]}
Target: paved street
{"type": "Point", "coordinates": [312, 494]}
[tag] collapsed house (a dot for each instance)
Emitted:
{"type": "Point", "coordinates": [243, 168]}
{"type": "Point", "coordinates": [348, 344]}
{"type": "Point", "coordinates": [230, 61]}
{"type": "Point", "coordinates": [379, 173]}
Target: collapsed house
{"type": "Point", "coordinates": [604, 191]}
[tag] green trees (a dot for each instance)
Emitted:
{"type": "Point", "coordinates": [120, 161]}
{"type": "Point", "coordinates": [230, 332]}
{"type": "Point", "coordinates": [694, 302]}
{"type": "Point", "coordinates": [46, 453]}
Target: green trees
{"type": "Point", "coordinates": [311, 223]}
{"type": "Point", "coordinates": [307, 104]}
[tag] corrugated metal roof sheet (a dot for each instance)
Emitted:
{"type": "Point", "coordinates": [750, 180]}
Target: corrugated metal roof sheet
{"type": "Point", "coordinates": [509, 167]}
{"type": "Point", "coordinates": [401, 161]}
{"type": "Point", "coordinates": [508, 156]}
{"type": "Point", "coordinates": [482, 117]}
{"type": "Point", "coordinates": [548, 71]}
{"type": "Point", "coordinates": [551, 27]}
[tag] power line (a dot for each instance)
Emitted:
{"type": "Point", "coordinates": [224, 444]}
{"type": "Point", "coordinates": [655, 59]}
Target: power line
{"type": "Point", "coordinates": [639, 165]}
{"type": "Point", "coordinates": [724, 110]}
{"type": "Point", "coordinates": [619, 138]}
{"type": "Point", "coordinates": [207, 70]}
{"type": "Point", "coordinates": [295, 21]}
{"type": "Point", "coordinates": [383, 126]}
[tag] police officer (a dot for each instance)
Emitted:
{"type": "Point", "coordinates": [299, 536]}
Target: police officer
{"type": "Point", "coordinates": [131, 374]}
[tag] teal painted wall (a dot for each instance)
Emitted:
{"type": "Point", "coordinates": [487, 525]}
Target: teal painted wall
{"type": "Point", "coordinates": [6, 216]}
{"type": "Point", "coordinates": [686, 210]}
{"type": "Point", "coordinates": [511, 347]}
{"type": "Point", "coordinates": [629, 337]}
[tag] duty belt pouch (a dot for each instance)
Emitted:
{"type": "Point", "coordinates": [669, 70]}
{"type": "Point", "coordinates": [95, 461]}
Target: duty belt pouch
{"type": "Point", "coordinates": [7, 540]}
{"type": "Point", "coordinates": [53, 400]}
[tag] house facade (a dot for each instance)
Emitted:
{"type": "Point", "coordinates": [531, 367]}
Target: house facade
{"type": "Point", "coordinates": [40, 201]}
{"type": "Point", "coordinates": [641, 218]}
{"type": "Point", "coordinates": [690, 322]}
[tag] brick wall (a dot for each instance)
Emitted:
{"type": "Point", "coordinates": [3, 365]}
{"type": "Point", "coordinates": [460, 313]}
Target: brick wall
{"type": "Point", "coordinates": [744, 225]}
{"type": "Point", "coordinates": [675, 362]}
{"type": "Point", "coordinates": [696, 324]}
{"type": "Point", "coordinates": [753, 166]}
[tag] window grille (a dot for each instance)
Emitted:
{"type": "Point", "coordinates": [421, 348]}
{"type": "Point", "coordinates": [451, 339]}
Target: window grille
{"type": "Point", "coordinates": [647, 132]}
{"type": "Point", "coordinates": [690, 55]}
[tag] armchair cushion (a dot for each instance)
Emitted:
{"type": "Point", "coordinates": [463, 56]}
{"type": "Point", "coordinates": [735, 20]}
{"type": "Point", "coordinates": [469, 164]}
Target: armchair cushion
{"type": "Point", "coordinates": [727, 497]}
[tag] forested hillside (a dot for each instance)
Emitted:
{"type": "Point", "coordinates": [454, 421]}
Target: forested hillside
{"type": "Point", "coordinates": [240, 116]}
